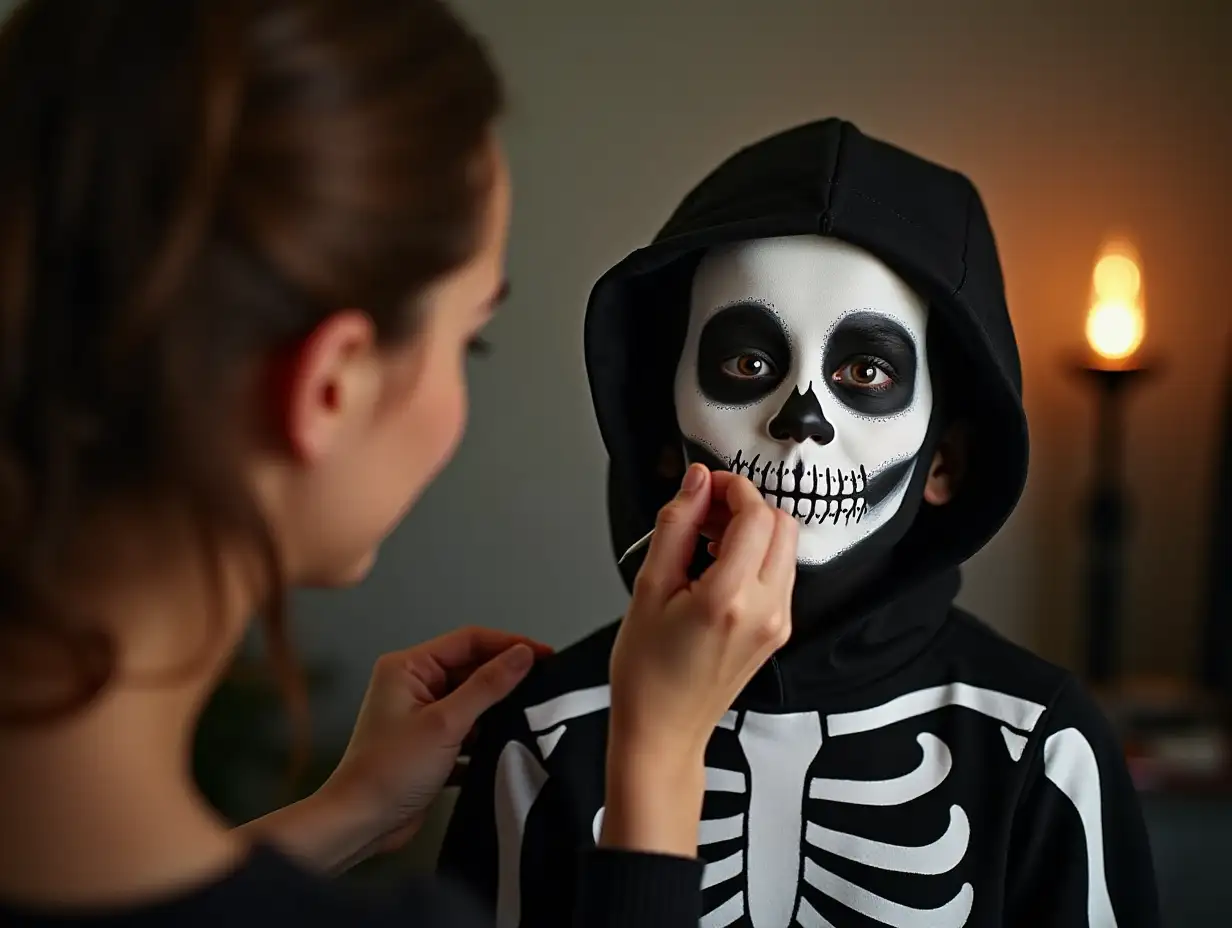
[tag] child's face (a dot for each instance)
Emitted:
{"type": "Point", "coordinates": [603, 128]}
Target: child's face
{"type": "Point", "coordinates": [369, 426]}
{"type": "Point", "coordinates": [804, 368]}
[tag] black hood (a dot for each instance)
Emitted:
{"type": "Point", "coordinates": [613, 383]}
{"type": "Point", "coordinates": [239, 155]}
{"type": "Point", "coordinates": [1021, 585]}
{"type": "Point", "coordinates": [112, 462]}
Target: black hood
{"type": "Point", "coordinates": [926, 222]}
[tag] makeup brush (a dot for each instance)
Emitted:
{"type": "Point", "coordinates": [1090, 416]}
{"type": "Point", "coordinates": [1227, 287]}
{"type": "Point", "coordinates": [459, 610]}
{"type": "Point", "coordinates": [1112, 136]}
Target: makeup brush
{"type": "Point", "coordinates": [636, 546]}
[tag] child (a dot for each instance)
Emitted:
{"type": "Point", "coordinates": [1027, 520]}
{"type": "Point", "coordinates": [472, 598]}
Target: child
{"type": "Point", "coordinates": [825, 314]}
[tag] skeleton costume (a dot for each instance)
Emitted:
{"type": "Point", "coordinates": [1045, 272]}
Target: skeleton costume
{"type": "Point", "coordinates": [814, 315]}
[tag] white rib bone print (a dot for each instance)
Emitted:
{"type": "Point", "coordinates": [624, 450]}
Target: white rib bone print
{"type": "Point", "coordinates": [780, 750]}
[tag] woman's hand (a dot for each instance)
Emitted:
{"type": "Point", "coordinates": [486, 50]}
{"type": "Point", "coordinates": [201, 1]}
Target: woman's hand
{"type": "Point", "coordinates": [685, 651]}
{"type": "Point", "coordinates": [420, 707]}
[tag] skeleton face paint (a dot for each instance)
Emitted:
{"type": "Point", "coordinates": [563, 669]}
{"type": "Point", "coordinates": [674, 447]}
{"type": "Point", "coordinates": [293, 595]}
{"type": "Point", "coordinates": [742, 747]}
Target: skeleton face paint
{"type": "Point", "coordinates": [804, 369]}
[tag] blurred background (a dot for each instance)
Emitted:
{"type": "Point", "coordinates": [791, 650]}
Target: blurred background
{"type": "Point", "coordinates": [1077, 119]}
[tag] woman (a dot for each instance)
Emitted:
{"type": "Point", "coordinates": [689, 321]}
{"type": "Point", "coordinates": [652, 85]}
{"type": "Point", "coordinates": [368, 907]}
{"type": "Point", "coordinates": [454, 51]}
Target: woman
{"type": "Point", "coordinates": [244, 248]}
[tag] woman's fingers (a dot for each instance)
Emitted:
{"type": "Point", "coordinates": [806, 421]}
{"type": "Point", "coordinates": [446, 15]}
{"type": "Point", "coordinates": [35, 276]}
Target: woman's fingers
{"type": "Point", "coordinates": [680, 660]}
{"type": "Point", "coordinates": [779, 566]}
{"type": "Point", "coordinates": [664, 570]}
{"type": "Point", "coordinates": [483, 689]}
{"type": "Point", "coordinates": [720, 514]}
{"type": "Point", "coordinates": [467, 648]}
{"type": "Point", "coordinates": [439, 666]}
{"type": "Point", "coordinates": [747, 536]}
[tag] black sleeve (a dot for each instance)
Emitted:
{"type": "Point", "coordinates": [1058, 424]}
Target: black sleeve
{"type": "Point", "coordinates": [1079, 854]}
{"type": "Point", "coordinates": [621, 889]}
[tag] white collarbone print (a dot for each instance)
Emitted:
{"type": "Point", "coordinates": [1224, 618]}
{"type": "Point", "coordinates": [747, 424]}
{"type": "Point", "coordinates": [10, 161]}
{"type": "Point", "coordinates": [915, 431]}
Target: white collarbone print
{"type": "Point", "coordinates": [779, 851]}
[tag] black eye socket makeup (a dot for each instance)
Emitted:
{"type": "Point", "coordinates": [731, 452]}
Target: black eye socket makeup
{"type": "Point", "coordinates": [870, 364]}
{"type": "Point", "coordinates": [743, 355]}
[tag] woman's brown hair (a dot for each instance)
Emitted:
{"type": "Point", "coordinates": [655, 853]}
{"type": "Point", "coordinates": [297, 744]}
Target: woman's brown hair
{"type": "Point", "coordinates": [188, 187]}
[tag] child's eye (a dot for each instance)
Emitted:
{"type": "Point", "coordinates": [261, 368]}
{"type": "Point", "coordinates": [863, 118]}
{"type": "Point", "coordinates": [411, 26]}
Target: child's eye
{"type": "Point", "coordinates": [866, 373]}
{"type": "Point", "coordinates": [748, 366]}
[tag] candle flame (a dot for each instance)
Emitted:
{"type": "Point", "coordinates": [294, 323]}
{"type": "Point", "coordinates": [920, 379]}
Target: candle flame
{"type": "Point", "coordinates": [1116, 321]}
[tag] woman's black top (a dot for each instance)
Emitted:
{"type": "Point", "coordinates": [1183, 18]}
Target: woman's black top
{"type": "Point", "coordinates": [618, 889]}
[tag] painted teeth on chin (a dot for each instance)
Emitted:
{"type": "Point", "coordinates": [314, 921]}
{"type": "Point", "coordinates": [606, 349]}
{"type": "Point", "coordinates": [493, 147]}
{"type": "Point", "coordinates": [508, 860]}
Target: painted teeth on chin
{"type": "Point", "coordinates": [810, 493]}
{"type": "Point", "coordinates": [811, 508]}
{"type": "Point", "coordinates": [787, 483]}
{"type": "Point", "coordinates": [808, 507]}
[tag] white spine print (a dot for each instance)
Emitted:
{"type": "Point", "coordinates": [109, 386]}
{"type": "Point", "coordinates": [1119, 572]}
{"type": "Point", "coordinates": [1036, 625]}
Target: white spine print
{"type": "Point", "coordinates": [779, 750]}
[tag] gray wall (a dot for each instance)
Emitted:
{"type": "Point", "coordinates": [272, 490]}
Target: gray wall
{"type": "Point", "coordinates": [1075, 119]}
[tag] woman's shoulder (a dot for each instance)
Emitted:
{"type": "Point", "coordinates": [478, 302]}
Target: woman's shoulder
{"type": "Point", "coordinates": [270, 888]}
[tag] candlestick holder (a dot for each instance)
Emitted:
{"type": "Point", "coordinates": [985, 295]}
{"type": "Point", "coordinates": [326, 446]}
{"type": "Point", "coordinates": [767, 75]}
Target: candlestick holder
{"type": "Point", "coordinates": [1107, 519]}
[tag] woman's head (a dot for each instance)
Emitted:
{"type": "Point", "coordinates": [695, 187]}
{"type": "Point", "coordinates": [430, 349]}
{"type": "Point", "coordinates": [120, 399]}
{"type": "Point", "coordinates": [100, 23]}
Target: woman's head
{"type": "Point", "coordinates": [363, 426]}
{"type": "Point", "coordinates": [244, 245]}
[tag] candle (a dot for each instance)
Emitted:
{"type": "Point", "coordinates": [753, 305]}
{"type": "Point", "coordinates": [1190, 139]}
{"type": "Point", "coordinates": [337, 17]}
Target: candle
{"type": "Point", "coordinates": [1116, 320]}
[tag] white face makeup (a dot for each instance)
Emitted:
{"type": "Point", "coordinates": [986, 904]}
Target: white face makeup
{"type": "Point", "coordinates": [804, 369]}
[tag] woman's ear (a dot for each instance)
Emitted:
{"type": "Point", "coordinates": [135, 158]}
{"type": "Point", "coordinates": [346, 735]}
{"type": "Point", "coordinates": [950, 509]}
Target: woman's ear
{"type": "Point", "coordinates": [949, 466]}
{"type": "Point", "coordinates": [324, 384]}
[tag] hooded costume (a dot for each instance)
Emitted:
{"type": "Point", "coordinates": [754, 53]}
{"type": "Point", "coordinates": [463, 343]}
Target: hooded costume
{"type": "Point", "coordinates": [817, 314]}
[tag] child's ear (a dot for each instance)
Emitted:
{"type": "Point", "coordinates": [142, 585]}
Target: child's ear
{"type": "Point", "coordinates": [671, 463]}
{"type": "Point", "coordinates": [949, 465]}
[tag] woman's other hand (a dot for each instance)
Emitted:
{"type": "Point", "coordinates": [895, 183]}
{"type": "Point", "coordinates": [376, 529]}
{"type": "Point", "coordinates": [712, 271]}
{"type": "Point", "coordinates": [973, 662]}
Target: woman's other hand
{"type": "Point", "coordinates": [685, 651]}
{"type": "Point", "coordinates": [421, 705]}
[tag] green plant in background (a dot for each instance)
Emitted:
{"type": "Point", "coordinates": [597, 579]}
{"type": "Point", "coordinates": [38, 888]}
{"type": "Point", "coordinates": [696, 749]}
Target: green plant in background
{"type": "Point", "coordinates": [241, 753]}
{"type": "Point", "coordinates": [242, 764]}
